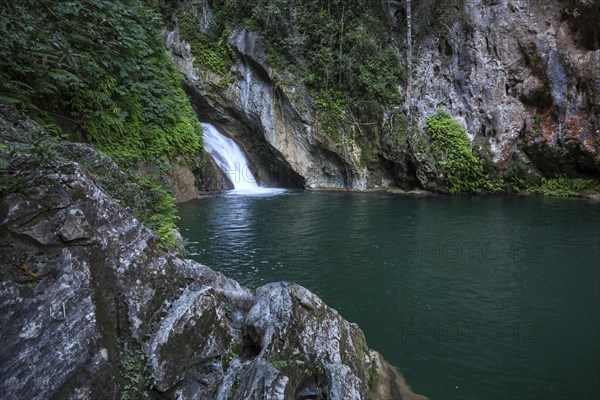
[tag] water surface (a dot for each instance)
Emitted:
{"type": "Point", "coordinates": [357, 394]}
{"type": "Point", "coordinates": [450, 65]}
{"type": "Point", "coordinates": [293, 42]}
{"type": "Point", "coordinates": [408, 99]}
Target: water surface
{"type": "Point", "coordinates": [471, 297]}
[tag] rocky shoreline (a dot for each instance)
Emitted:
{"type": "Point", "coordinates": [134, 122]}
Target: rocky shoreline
{"type": "Point", "coordinates": [93, 305]}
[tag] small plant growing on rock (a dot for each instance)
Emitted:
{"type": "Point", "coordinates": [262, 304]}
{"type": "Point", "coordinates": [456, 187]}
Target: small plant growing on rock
{"type": "Point", "coordinates": [227, 358]}
{"type": "Point", "coordinates": [280, 364]}
{"type": "Point", "coordinates": [136, 374]}
{"type": "Point", "coordinates": [574, 12]}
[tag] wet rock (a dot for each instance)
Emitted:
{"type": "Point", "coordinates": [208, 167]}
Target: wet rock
{"type": "Point", "coordinates": [212, 178]}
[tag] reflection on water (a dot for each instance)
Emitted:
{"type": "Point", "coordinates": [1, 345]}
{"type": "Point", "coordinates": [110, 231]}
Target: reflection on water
{"type": "Point", "coordinates": [471, 297]}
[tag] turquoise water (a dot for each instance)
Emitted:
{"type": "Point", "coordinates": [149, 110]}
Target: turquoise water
{"type": "Point", "coordinates": [470, 297]}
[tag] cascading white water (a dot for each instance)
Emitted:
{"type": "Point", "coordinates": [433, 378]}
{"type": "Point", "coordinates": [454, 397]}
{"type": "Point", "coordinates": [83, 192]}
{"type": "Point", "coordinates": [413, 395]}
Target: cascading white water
{"type": "Point", "coordinates": [232, 161]}
{"type": "Point", "coordinates": [229, 158]}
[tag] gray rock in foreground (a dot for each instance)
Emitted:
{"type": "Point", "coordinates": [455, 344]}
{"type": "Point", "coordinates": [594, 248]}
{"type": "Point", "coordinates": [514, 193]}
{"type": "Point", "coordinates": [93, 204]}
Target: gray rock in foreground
{"type": "Point", "coordinates": [92, 306]}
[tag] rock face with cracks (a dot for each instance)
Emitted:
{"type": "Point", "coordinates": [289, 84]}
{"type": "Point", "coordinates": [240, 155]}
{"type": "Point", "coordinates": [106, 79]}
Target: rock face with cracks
{"type": "Point", "coordinates": [93, 306]}
{"type": "Point", "coordinates": [521, 76]}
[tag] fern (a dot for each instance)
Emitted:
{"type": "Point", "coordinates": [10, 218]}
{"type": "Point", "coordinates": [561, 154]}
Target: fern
{"type": "Point", "coordinates": [100, 65]}
{"type": "Point", "coordinates": [462, 169]}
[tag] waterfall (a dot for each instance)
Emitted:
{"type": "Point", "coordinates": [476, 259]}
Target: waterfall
{"type": "Point", "coordinates": [229, 158]}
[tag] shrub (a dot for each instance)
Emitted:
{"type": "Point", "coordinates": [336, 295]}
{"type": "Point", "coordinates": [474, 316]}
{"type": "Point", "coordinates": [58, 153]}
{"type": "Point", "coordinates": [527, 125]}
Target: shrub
{"type": "Point", "coordinates": [462, 169]}
{"type": "Point", "coordinates": [331, 114]}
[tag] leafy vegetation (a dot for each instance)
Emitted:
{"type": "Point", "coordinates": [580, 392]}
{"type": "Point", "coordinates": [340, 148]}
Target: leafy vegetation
{"type": "Point", "coordinates": [214, 55]}
{"type": "Point", "coordinates": [27, 140]}
{"type": "Point", "coordinates": [280, 364]}
{"type": "Point", "coordinates": [438, 17]}
{"type": "Point", "coordinates": [227, 358]}
{"type": "Point", "coordinates": [98, 70]}
{"type": "Point", "coordinates": [332, 114]}
{"type": "Point", "coordinates": [566, 187]}
{"type": "Point", "coordinates": [519, 176]}
{"type": "Point", "coordinates": [147, 200]}
{"type": "Point", "coordinates": [454, 157]}
{"type": "Point", "coordinates": [136, 376]}
{"type": "Point", "coordinates": [344, 48]}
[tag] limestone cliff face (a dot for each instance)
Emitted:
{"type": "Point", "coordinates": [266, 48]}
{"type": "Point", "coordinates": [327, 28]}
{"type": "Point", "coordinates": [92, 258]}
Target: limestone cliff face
{"type": "Point", "coordinates": [92, 306]}
{"type": "Point", "coordinates": [273, 122]}
{"type": "Point", "coordinates": [521, 76]}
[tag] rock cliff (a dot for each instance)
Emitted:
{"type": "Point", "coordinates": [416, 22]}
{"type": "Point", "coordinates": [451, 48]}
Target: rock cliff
{"type": "Point", "coordinates": [522, 77]}
{"type": "Point", "coordinates": [273, 122]}
{"type": "Point", "coordinates": [93, 305]}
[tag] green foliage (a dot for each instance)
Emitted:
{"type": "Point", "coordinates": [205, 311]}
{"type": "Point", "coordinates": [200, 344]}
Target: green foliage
{"type": "Point", "coordinates": [518, 176]}
{"type": "Point", "coordinates": [342, 52]}
{"type": "Point", "coordinates": [331, 113]}
{"type": "Point", "coordinates": [136, 376]}
{"type": "Point", "coordinates": [5, 177]}
{"type": "Point", "coordinates": [235, 387]}
{"type": "Point", "coordinates": [147, 200]}
{"type": "Point", "coordinates": [436, 17]}
{"type": "Point", "coordinates": [162, 211]}
{"type": "Point", "coordinates": [463, 170]}
{"type": "Point", "coordinates": [97, 69]}
{"type": "Point", "coordinates": [345, 48]}
{"type": "Point", "coordinates": [280, 364]}
{"type": "Point", "coordinates": [36, 148]}
{"type": "Point", "coordinates": [227, 358]}
{"type": "Point", "coordinates": [399, 132]}
{"type": "Point", "coordinates": [209, 54]}
{"type": "Point", "coordinates": [566, 187]}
